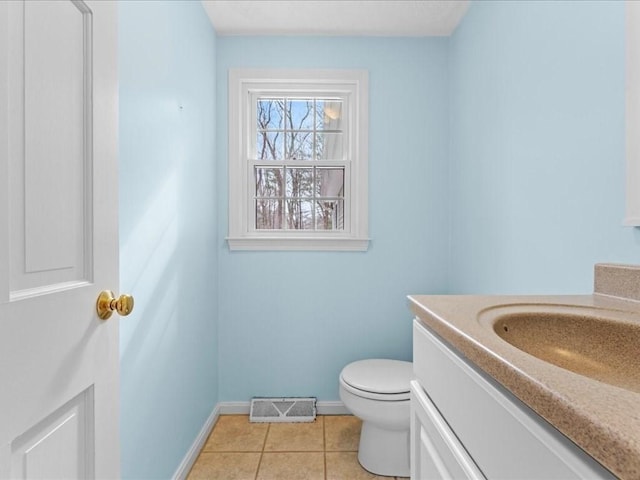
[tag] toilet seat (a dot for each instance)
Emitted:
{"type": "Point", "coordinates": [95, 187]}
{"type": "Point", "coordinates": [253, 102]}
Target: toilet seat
{"type": "Point", "coordinates": [378, 379]}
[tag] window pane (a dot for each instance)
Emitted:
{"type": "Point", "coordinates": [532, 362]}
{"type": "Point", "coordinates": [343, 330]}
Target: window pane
{"type": "Point", "coordinates": [269, 146]}
{"type": "Point", "coordinates": [329, 146]}
{"type": "Point", "coordinates": [268, 214]}
{"type": "Point", "coordinates": [270, 114]}
{"type": "Point", "coordinates": [299, 182]}
{"type": "Point", "coordinates": [300, 114]}
{"type": "Point", "coordinates": [330, 215]}
{"type": "Point", "coordinates": [300, 145]}
{"type": "Point", "coordinates": [329, 114]}
{"type": "Point", "coordinates": [330, 182]}
{"type": "Point", "coordinates": [268, 182]}
{"type": "Point", "coordinates": [299, 214]}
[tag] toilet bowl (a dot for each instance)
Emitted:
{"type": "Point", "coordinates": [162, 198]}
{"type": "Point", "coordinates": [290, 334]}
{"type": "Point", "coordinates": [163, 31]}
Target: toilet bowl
{"type": "Point", "coordinates": [377, 391]}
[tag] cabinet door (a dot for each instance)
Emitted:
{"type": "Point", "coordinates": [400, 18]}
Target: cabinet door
{"type": "Point", "coordinates": [436, 453]}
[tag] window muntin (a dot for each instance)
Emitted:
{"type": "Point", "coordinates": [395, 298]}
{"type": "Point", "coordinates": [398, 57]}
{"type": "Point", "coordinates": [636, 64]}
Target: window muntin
{"type": "Point", "coordinates": [299, 128]}
{"type": "Point", "coordinates": [299, 198]}
{"type": "Point", "coordinates": [299, 163]}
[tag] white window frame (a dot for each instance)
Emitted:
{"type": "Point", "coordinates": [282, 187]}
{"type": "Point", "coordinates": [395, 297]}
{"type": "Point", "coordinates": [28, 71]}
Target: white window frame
{"type": "Point", "coordinates": [245, 84]}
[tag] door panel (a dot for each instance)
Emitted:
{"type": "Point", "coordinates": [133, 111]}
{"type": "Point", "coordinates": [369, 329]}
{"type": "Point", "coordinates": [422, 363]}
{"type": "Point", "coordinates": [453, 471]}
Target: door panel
{"type": "Point", "coordinates": [59, 387]}
{"type": "Point", "coordinates": [56, 61]}
{"type": "Point", "coordinates": [60, 446]}
{"type": "Point", "coordinates": [50, 144]}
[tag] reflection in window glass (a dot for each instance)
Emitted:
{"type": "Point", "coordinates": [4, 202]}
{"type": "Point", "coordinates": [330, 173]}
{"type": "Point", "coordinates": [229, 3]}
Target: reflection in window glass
{"type": "Point", "coordinates": [329, 182]}
{"type": "Point", "coordinates": [329, 146]}
{"type": "Point", "coordinates": [329, 114]}
{"type": "Point", "coordinates": [330, 215]}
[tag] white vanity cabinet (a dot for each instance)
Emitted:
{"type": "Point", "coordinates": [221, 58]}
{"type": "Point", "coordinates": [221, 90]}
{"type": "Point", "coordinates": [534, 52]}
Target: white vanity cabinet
{"type": "Point", "coordinates": [464, 425]}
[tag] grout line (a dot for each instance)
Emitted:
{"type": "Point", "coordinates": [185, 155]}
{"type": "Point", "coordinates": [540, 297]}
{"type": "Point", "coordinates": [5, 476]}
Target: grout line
{"type": "Point", "coordinates": [324, 445]}
{"type": "Point", "coordinates": [264, 444]}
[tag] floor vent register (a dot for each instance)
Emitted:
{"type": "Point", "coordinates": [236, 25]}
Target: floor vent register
{"type": "Point", "coordinates": [297, 409]}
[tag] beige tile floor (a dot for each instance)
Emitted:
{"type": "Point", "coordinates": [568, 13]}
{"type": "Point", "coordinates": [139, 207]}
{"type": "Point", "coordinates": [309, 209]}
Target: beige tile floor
{"type": "Point", "coordinates": [323, 450]}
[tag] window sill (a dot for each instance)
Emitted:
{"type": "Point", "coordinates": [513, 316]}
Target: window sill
{"type": "Point", "coordinates": [300, 243]}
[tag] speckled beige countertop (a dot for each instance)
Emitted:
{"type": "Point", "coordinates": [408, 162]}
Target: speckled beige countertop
{"type": "Point", "coordinates": [604, 420]}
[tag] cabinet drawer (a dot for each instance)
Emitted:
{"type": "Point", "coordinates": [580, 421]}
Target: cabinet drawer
{"type": "Point", "coordinates": [505, 438]}
{"type": "Point", "coordinates": [437, 452]}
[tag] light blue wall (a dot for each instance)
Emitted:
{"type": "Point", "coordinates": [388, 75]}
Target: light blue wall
{"type": "Point", "coordinates": [502, 147]}
{"type": "Point", "coordinates": [289, 321]}
{"type": "Point", "coordinates": [167, 232]}
{"type": "Point", "coordinates": [537, 146]}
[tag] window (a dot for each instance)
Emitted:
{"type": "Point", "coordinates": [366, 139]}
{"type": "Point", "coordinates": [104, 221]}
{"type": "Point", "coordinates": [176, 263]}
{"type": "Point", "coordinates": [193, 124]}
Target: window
{"type": "Point", "coordinates": [298, 145]}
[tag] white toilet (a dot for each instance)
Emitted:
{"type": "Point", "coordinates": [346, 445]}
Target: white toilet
{"type": "Point", "coordinates": [377, 391]}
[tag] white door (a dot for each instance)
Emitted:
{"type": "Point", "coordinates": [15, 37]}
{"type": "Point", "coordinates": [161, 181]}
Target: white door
{"type": "Point", "coordinates": [59, 384]}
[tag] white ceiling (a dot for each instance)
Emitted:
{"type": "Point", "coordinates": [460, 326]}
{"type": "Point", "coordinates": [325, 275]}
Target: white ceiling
{"type": "Point", "coordinates": [403, 18]}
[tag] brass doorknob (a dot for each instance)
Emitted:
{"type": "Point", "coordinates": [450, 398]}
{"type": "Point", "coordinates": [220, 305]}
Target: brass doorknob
{"type": "Point", "coordinates": [107, 303]}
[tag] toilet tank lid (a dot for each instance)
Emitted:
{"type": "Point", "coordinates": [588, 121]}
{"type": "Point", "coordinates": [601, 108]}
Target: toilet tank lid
{"type": "Point", "coordinates": [379, 375]}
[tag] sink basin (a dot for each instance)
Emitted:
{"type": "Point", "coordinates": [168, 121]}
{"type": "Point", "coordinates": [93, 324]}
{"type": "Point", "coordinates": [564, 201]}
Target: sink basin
{"type": "Point", "coordinates": [600, 344]}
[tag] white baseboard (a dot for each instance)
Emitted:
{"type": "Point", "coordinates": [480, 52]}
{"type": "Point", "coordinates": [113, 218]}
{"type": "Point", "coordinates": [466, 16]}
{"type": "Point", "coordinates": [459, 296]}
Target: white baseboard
{"type": "Point", "coordinates": [192, 454]}
{"type": "Point", "coordinates": [323, 408]}
{"type": "Point", "coordinates": [234, 408]}
{"type": "Point", "coordinates": [238, 408]}
{"type": "Point", "coordinates": [332, 408]}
